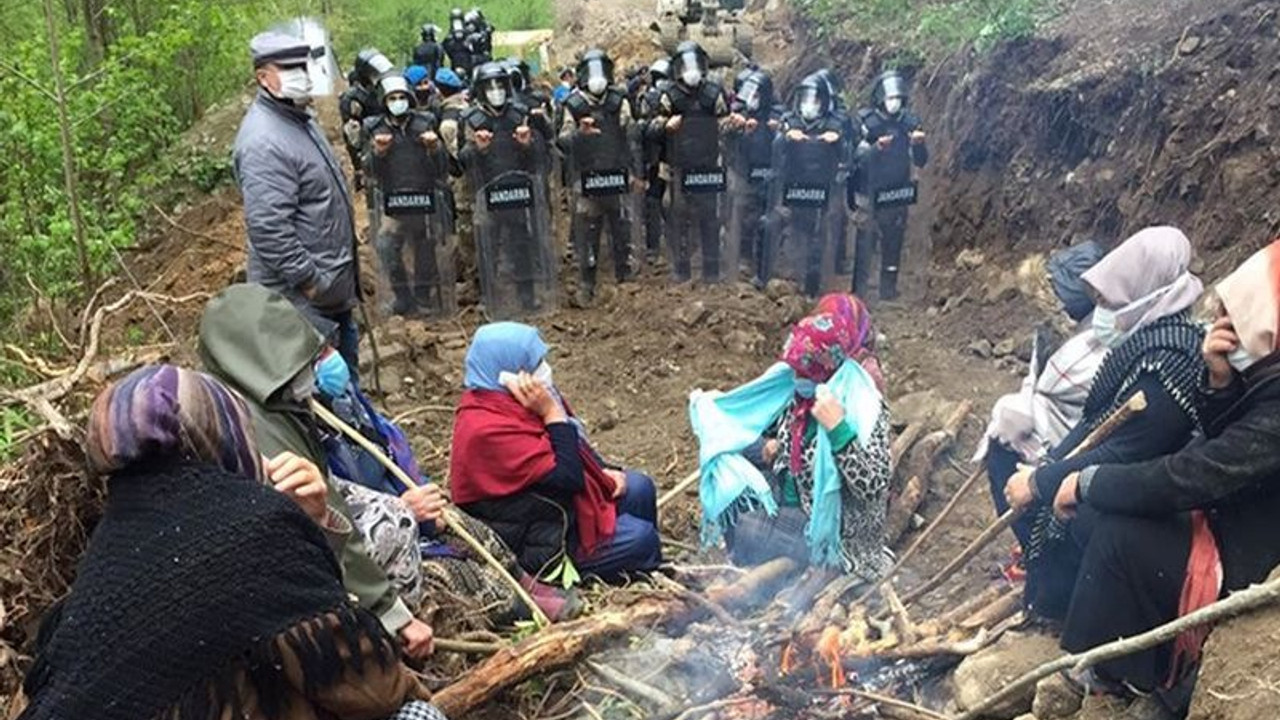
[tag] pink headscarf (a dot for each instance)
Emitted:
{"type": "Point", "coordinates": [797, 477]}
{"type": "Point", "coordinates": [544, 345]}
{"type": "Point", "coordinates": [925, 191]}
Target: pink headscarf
{"type": "Point", "coordinates": [815, 350]}
{"type": "Point", "coordinates": [1251, 296]}
{"type": "Point", "coordinates": [862, 346]}
{"type": "Point", "coordinates": [1146, 277]}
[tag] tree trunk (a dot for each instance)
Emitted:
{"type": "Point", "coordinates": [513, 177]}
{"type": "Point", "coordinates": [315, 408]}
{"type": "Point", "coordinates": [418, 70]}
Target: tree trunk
{"type": "Point", "coordinates": [68, 151]}
{"type": "Point", "coordinates": [97, 31]}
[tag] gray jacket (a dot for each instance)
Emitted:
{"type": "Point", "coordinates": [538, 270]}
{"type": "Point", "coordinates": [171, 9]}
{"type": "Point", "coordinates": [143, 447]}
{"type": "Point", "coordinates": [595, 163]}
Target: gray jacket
{"type": "Point", "coordinates": [296, 208]}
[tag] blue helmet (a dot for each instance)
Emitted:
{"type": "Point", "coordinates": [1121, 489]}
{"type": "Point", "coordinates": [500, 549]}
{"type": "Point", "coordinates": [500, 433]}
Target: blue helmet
{"type": "Point", "coordinates": [448, 79]}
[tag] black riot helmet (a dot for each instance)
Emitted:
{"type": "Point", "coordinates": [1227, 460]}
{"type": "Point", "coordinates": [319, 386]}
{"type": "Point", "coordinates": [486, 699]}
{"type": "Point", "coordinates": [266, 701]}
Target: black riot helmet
{"type": "Point", "coordinates": [491, 85]}
{"type": "Point", "coordinates": [812, 99]}
{"type": "Point", "coordinates": [474, 17]}
{"type": "Point", "coordinates": [660, 69]}
{"type": "Point", "coordinates": [754, 91]}
{"type": "Point", "coordinates": [429, 32]}
{"type": "Point", "coordinates": [516, 70]}
{"type": "Point", "coordinates": [595, 72]}
{"type": "Point", "coordinates": [371, 64]}
{"type": "Point", "coordinates": [834, 86]}
{"type": "Point", "coordinates": [455, 21]}
{"type": "Point", "coordinates": [890, 92]}
{"type": "Point", "coordinates": [689, 64]}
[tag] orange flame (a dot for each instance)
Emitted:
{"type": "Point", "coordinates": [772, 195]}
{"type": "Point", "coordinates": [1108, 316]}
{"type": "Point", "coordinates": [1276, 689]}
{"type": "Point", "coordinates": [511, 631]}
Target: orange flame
{"type": "Point", "coordinates": [828, 648]}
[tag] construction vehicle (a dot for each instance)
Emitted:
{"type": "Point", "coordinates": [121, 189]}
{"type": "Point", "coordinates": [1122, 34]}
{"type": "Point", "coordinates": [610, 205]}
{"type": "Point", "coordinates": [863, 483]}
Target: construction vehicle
{"type": "Point", "coordinates": [716, 25]}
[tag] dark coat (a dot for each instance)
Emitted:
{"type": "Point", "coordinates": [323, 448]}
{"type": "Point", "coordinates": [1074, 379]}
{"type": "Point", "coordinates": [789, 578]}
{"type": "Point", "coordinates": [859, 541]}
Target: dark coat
{"type": "Point", "coordinates": [1232, 473]}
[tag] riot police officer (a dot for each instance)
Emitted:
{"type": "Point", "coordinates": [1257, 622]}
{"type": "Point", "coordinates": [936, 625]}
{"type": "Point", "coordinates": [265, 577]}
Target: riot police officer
{"type": "Point", "coordinates": [479, 36]}
{"type": "Point", "coordinates": [407, 158]}
{"type": "Point", "coordinates": [359, 101]}
{"type": "Point", "coordinates": [597, 137]}
{"type": "Point", "coordinates": [537, 102]}
{"type": "Point", "coordinates": [749, 156]}
{"type": "Point", "coordinates": [807, 158]}
{"type": "Point", "coordinates": [894, 141]}
{"type": "Point", "coordinates": [852, 135]}
{"type": "Point", "coordinates": [690, 111]}
{"type": "Point", "coordinates": [429, 54]}
{"type": "Point", "coordinates": [455, 45]}
{"type": "Point", "coordinates": [503, 157]}
{"type": "Point", "coordinates": [652, 157]}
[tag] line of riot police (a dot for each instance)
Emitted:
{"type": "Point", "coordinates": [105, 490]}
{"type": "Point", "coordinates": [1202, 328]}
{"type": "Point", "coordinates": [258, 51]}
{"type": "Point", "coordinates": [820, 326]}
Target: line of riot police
{"type": "Point", "coordinates": [726, 181]}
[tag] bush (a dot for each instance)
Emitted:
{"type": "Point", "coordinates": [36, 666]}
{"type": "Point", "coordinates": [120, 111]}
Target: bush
{"type": "Point", "coordinates": [919, 28]}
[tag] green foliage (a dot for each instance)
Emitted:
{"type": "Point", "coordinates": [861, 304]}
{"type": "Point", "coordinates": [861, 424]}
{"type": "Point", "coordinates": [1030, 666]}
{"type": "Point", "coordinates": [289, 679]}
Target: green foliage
{"type": "Point", "coordinates": [165, 63]}
{"type": "Point", "coordinates": [14, 421]}
{"type": "Point", "coordinates": [920, 28]}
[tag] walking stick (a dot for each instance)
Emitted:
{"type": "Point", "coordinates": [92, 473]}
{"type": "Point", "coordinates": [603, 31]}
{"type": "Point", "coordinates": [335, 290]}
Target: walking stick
{"type": "Point", "coordinates": [680, 487]}
{"type": "Point", "coordinates": [1134, 406]}
{"type": "Point", "coordinates": [450, 518]}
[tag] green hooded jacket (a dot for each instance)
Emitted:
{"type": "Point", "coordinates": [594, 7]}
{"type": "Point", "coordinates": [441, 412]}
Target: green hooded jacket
{"type": "Point", "coordinates": [257, 342]}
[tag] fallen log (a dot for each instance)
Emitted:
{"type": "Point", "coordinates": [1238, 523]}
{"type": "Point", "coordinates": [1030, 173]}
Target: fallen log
{"type": "Point", "coordinates": [927, 648]}
{"type": "Point", "coordinates": [1253, 598]}
{"type": "Point", "coordinates": [1003, 608]}
{"type": "Point", "coordinates": [903, 442]}
{"type": "Point", "coordinates": [901, 509]}
{"type": "Point", "coordinates": [563, 644]}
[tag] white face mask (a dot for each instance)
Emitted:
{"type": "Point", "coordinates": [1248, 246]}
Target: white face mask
{"type": "Point", "coordinates": [893, 105]}
{"type": "Point", "coordinates": [691, 77]}
{"type": "Point", "coordinates": [1104, 327]}
{"type": "Point", "coordinates": [597, 85]}
{"type": "Point", "coordinates": [496, 97]}
{"type": "Point", "coordinates": [295, 85]}
{"type": "Point", "coordinates": [810, 109]}
{"type": "Point", "coordinates": [1241, 360]}
{"type": "Point", "coordinates": [543, 374]}
{"type": "Point", "coordinates": [398, 107]}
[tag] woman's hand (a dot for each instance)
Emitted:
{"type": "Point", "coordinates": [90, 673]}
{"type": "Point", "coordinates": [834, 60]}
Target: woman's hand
{"type": "Point", "coordinates": [427, 503]}
{"type": "Point", "coordinates": [827, 410]}
{"type": "Point", "coordinates": [769, 452]}
{"type": "Point", "coordinates": [418, 638]}
{"type": "Point", "coordinates": [536, 398]}
{"type": "Point", "coordinates": [1019, 492]}
{"type": "Point", "coordinates": [619, 478]}
{"type": "Point", "coordinates": [1065, 503]}
{"type": "Point", "coordinates": [1220, 342]}
{"type": "Point", "coordinates": [301, 480]}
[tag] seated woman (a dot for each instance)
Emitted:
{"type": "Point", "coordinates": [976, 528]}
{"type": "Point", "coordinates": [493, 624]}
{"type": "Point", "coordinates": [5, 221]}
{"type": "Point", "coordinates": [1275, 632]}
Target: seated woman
{"type": "Point", "coordinates": [1176, 533]}
{"type": "Point", "coordinates": [405, 526]}
{"type": "Point", "coordinates": [523, 464]}
{"type": "Point", "coordinates": [1144, 294]}
{"type": "Point", "coordinates": [796, 462]}
{"type": "Point", "coordinates": [1026, 424]}
{"type": "Point", "coordinates": [205, 593]}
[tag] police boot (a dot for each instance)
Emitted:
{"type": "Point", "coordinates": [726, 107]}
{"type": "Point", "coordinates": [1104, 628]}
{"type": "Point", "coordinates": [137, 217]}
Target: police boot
{"type": "Point", "coordinates": [587, 288]}
{"type": "Point", "coordinates": [889, 284]}
{"type": "Point", "coordinates": [653, 229]}
{"type": "Point", "coordinates": [864, 247]}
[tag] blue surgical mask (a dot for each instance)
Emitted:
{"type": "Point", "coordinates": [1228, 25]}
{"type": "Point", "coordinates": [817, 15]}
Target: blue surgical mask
{"type": "Point", "coordinates": [806, 388]}
{"type": "Point", "coordinates": [1104, 327]}
{"type": "Point", "coordinates": [1241, 359]}
{"type": "Point", "coordinates": [332, 375]}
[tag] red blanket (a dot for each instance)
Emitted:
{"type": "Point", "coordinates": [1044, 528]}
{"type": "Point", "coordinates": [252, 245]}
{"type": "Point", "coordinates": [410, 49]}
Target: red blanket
{"type": "Point", "coordinates": [500, 449]}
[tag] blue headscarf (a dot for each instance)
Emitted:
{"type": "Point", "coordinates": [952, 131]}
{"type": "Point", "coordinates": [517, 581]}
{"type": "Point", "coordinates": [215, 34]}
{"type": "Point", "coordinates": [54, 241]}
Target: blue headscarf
{"type": "Point", "coordinates": [502, 347]}
{"type": "Point", "coordinates": [415, 74]}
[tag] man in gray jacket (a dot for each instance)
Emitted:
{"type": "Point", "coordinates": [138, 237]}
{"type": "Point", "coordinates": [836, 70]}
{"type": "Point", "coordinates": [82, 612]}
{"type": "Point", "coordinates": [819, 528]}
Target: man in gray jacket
{"type": "Point", "coordinates": [297, 209]}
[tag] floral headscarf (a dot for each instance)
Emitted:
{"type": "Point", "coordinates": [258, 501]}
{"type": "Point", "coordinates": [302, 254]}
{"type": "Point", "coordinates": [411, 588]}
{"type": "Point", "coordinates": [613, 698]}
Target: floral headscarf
{"type": "Point", "coordinates": [816, 348]}
{"type": "Point", "coordinates": [862, 346]}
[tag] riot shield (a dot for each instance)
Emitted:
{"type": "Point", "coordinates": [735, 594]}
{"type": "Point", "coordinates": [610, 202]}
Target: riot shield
{"type": "Point", "coordinates": [603, 203]}
{"type": "Point", "coordinates": [698, 180]}
{"type": "Point", "coordinates": [415, 246]}
{"type": "Point", "coordinates": [804, 206]}
{"type": "Point", "coordinates": [514, 248]}
{"type": "Point", "coordinates": [749, 171]}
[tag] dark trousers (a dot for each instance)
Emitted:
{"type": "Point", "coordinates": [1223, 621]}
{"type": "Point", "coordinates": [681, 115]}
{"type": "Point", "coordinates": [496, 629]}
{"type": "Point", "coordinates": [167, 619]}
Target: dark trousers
{"type": "Point", "coordinates": [757, 538]}
{"type": "Point", "coordinates": [410, 293]}
{"type": "Point", "coordinates": [1130, 581]}
{"type": "Point", "coordinates": [1002, 463]}
{"type": "Point", "coordinates": [635, 546]}
{"type": "Point", "coordinates": [889, 229]}
{"type": "Point", "coordinates": [696, 221]}
{"type": "Point", "coordinates": [654, 214]}
{"type": "Point", "coordinates": [589, 225]}
{"type": "Point", "coordinates": [348, 337]}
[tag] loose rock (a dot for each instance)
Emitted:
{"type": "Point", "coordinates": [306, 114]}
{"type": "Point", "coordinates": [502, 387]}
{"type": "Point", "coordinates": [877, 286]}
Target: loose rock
{"type": "Point", "coordinates": [985, 673]}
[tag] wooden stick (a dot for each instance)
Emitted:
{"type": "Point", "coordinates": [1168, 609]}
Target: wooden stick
{"type": "Point", "coordinates": [901, 621]}
{"type": "Point", "coordinates": [1003, 608]}
{"type": "Point", "coordinates": [635, 688]}
{"type": "Point", "coordinates": [467, 646]}
{"type": "Point", "coordinates": [1255, 597]}
{"type": "Point", "coordinates": [903, 442]}
{"type": "Point", "coordinates": [886, 700]}
{"type": "Point", "coordinates": [679, 489]}
{"type": "Point", "coordinates": [1135, 405]}
{"type": "Point", "coordinates": [450, 519]}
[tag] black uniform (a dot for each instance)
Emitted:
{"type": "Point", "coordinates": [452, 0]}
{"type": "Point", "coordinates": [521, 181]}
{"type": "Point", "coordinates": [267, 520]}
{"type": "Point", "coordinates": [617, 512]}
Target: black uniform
{"type": "Point", "coordinates": [805, 172]}
{"type": "Point", "coordinates": [430, 55]}
{"type": "Point", "coordinates": [483, 166]}
{"type": "Point", "coordinates": [411, 179]}
{"type": "Point", "coordinates": [693, 152]}
{"type": "Point", "coordinates": [459, 52]}
{"type": "Point", "coordinates": [652, 156]}
{"type": "Point", "coordinates": [880, 170]}
{"type": "Point", "coordinates": [602, 166]}
{"type": "Point", "coordinates": [356, 103]}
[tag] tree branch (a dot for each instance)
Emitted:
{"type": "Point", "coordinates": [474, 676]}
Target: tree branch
{"type": "Point", "coordinates": [31, 82]}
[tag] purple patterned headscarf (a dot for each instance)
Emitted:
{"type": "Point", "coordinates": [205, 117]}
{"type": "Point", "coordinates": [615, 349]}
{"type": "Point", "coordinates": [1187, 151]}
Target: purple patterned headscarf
{"type": "Point", "coordinates": [162, 412]}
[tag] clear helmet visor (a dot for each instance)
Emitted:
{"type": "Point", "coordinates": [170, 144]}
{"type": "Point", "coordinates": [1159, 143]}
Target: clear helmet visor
{"type": "Point", "coordinates": [494, 93]}
{"type": "Point", "coordinates": [455, 25]}
{"type": "Point", "coordinates": [749, 94]}
{"type": "Point", "coordinates": [809, 103]}
{"type": "Point", "coordinates": [893, 86]}
{"type": "Point", "coordinates": [597, 78]}
{"type": "Point", "coordinates": [691, 68]}
{"type": "Point", "coordinates": [893, 104]}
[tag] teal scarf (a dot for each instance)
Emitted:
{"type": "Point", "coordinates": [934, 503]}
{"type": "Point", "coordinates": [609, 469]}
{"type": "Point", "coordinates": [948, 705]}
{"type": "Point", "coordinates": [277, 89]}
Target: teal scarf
{"type": "Point", "coordinates": [727, 423]}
